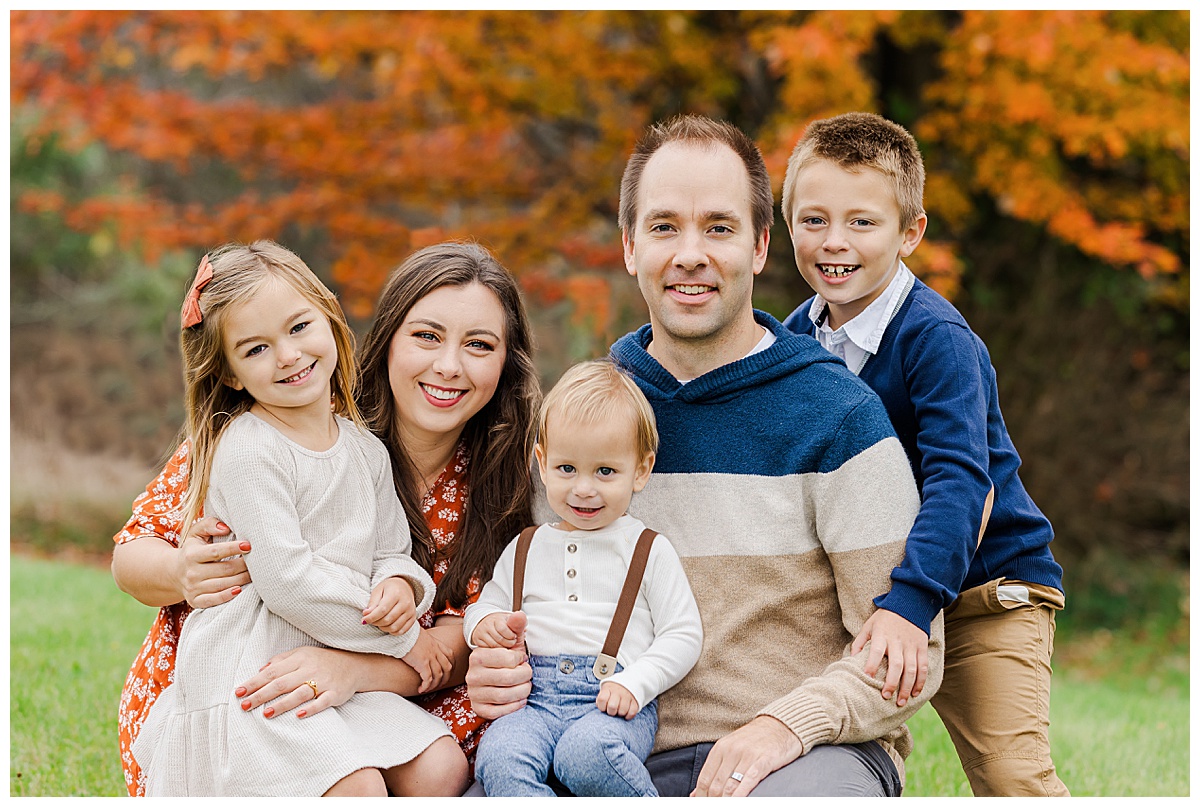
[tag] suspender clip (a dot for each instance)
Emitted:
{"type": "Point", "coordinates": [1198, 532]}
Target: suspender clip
{"type": "Point", "coordinates": [605, 666]}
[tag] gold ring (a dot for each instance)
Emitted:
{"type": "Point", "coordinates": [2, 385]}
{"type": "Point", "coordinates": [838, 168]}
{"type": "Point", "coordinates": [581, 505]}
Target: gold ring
{"type": "Point", "coordinates": [313, 684]}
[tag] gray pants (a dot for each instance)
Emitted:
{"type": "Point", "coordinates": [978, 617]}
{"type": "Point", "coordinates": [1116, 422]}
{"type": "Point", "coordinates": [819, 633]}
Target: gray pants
{"type": "Point", "coordinates": [827, 770]}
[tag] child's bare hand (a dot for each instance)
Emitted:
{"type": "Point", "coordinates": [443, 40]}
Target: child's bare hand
{"type": "Point", "coordinates": [494, 631]}
{"type": "Point", "coordinates": [617, 701]}
{"type": "Point", "coordinates": [431, 659]}
{"type": "Point", "coordinates": [391, 608]}
{"type": "Point", "coordinates": [906, 647]}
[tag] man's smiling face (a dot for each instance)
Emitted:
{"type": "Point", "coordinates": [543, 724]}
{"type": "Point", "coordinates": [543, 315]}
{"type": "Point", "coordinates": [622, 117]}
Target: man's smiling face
{"type": "Point", "coordinates": [693, 248]}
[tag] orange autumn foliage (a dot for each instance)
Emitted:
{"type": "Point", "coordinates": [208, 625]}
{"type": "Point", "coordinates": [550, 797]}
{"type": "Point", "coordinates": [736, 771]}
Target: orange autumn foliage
{"type": "Point", "coordinates": [373, 133]}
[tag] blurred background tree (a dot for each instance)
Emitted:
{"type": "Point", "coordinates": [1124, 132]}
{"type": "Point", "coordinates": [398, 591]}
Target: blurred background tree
{"type": "Point", "coordinates": [1056, 143]}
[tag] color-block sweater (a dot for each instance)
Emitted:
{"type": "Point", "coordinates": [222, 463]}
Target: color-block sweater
{"type": "Point", "coordinates": [936, 380]}
{"type": "Point", "coordinates": [787, 496]}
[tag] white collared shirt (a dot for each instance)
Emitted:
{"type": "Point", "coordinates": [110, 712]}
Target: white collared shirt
{"type": "Point", "coordinates": [858, 340]}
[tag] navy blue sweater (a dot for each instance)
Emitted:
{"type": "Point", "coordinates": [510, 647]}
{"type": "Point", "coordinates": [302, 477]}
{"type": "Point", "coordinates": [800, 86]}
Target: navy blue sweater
{"type": "Point", "coordinates": [938, 385]}
{"type": "Point", "coordinates": [781, 484]}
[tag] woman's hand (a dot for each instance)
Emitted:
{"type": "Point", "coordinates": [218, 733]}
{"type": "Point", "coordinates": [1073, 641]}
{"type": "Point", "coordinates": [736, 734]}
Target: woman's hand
{"type": "Point", "coordinates": [155, 572]}
{"type": "Point", "coordinates": [208, 573]}
{"type": "Point", "coordinates": [282, 683]}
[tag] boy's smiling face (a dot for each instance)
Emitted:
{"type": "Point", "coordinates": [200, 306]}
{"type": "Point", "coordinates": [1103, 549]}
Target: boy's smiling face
{"type": "Point", "coordinates": [846, 232]}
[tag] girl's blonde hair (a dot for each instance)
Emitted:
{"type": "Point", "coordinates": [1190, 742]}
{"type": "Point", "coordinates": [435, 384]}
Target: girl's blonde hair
{"type": "Point", "coordinates": [210, 404]}
{"type": "Point", "coordinates": [597, 391]}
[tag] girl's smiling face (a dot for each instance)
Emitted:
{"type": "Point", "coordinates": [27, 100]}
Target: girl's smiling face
{"type": "Point", "coordinates": [280, 349]}
{"type": "Point", "coordinates": [445, 361]}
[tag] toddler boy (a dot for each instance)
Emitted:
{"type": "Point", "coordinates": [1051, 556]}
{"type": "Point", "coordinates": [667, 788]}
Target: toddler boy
{"type": "Point", "coordinates": [979, 547]}
{"type": "Point", "coordinates": [592, 726]}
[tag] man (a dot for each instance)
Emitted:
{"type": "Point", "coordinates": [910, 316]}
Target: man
{"type": "Point", "coordinates": [780, 483]}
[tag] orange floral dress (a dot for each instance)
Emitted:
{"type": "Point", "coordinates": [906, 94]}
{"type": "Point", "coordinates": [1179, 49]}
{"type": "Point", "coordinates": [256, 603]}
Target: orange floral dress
{"type": "Point", "coordinates": [155, 514]}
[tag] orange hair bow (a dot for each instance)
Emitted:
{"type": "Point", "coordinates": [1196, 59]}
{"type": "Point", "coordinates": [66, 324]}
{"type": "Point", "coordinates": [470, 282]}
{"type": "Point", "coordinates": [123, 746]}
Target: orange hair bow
{"type": "Point", "coordinates": [190, 315]}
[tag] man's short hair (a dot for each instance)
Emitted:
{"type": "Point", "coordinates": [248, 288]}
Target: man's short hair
{"type": "Point", "coordinates": [698, 130]}
{"type": "Point", "coordinates": [862, 139]}
{"type": "Point", "coordinates": [598, 391]}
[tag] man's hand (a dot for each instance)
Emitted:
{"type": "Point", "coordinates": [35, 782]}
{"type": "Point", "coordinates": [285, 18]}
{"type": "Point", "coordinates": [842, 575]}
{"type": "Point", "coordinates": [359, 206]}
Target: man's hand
{"type": "Point", "coordinates": [391, 608]}
{"type": "Point", "coordinates": [494, 631]}
{"type": "Point", "coordinates": [760, 747]}
{"type": "Point", "coordinates": [906, 647]}
{"type": "Point", "coordinates": [617, 701]}
{"type": "Point", "coordinates": [499, 678]}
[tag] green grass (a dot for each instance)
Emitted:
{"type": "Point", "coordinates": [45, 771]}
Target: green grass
{"type": "Point", "coordinates": [1119, 718]}
{"type": "Point", "coordinates": [1119, 711]}
{"type": "Point", "coordinates": [73, 636]}
{"type": "Point", "coordinates": [1106, 741]}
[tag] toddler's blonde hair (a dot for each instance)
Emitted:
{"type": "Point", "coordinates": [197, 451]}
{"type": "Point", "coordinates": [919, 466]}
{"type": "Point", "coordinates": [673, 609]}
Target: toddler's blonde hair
{"type": "Point", "coordinates": [598, 391]}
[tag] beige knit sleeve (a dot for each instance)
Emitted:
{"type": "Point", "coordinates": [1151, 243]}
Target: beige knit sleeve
{"type": "Point", "coordinates": [863, 513]}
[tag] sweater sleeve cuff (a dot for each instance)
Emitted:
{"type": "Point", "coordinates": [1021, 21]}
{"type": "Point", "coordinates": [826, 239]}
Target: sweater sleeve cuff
{"type": "Point", "coordinates": [805, 717]}
{"type": "Point", "coordinates": [917, 605]}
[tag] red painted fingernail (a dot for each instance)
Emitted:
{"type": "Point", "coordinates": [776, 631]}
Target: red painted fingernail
{"type": "Point", "coordinates": [301, 713]}
{"type": "Point", "coordinates": [240, 691]}
{"type": "Point", "coordinates": [221, 525]}
{"type": "Point", "coordinates": [244, 546]}
{"type": "Point", "coordinates": [268, 712]}
{"type": "Point", "coordinates": [237, 590]}
{"type": "Point", "coordinates": [245, 706]}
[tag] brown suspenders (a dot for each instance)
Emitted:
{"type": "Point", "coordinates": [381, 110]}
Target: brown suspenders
{"type": "Point", "coordinates": [606, 662]}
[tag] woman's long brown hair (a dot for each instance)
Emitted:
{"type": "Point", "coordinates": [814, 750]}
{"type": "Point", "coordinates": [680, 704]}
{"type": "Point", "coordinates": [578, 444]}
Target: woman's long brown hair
{"type": "Point", "coordinates": [499, 436]}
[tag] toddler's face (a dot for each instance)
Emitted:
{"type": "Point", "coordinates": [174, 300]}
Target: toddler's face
{"type": "Point", "coordinates": [591, 470]}
{"type": "Point", "coordinates": [846, 233]}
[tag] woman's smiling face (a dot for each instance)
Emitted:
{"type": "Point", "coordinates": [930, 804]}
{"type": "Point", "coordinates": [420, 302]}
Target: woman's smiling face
{"type": "Point", "coordinates": [445, 361]}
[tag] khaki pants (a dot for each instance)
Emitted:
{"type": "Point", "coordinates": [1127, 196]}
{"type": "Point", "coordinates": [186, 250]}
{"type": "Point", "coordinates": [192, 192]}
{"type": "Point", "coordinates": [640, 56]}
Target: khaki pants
{"type": "Point", "coordinates": [995, 695]}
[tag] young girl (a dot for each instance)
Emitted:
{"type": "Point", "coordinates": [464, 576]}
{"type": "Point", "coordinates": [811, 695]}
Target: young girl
{"type": "Point", "coordinates": [266, 349]}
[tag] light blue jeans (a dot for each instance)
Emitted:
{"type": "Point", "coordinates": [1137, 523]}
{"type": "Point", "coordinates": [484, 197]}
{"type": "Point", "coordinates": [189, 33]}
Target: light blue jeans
{"type": "Point", "coordinates": [592, 753]}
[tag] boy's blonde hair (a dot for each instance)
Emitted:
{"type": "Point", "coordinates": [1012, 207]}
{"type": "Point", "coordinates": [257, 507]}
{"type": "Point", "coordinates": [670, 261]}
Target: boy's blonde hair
{"type": "Point", "coordinates": [210, 404]}
{"type": "Point", "coordinates": [857, 140]}
{"type": "Point", "coordinates": [597, 391]}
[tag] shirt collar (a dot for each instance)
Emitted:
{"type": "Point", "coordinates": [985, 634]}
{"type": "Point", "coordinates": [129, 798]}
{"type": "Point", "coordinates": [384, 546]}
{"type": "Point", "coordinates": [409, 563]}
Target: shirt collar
{"type": "Point", "coordinates": [866, 330]}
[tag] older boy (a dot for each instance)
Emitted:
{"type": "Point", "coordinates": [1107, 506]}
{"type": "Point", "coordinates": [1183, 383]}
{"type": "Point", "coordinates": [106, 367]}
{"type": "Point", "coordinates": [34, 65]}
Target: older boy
{"type": "Point", "coordinates": [852, 203]}
{"type": "Point", "coordinates": [781, 484]}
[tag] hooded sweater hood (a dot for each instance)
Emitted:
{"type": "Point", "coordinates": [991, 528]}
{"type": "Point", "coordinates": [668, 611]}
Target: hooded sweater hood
{"type": "Point", "coordinates": [790, 401]}
{"type": "Point", "coordinates": [787, 355]}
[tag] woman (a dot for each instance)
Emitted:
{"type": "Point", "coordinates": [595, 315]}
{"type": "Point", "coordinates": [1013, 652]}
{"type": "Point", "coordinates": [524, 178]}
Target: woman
{"type": "Point", "coordinates": [447, 382]}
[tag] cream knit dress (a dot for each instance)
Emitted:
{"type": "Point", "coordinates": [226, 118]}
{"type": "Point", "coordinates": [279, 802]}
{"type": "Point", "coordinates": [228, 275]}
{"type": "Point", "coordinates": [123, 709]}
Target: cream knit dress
{"type": "Point", "coordinates": [326, 527]}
